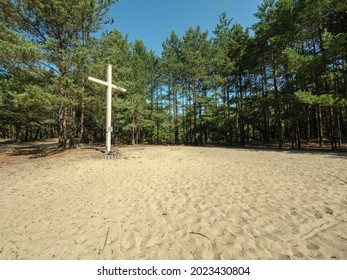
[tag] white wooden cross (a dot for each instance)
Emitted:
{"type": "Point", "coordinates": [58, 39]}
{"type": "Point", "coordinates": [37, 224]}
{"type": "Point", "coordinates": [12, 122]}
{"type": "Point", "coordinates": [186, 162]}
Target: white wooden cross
{"type": "Point", "coordinates": [110, 86]}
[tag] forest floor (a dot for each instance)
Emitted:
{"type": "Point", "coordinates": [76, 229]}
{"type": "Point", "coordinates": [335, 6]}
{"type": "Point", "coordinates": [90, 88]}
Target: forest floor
{"type": "Point", "coordinates": [171, 202]}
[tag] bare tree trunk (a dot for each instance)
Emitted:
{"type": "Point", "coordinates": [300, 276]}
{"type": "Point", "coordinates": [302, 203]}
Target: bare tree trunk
{"type": "Point", "coordinates": [194, 112]}
{"type": "Point", "coordinates": [277, 104]}
{"type": "Point", "coordinates": [176, 118]}
{"type": "Point", "coordinates": [320, 126]}
{"type": "Point", "coordinates": [342, 123]}
{"type": "Point", "coordinates": [338, 128]}
{"type": "Point", "coordinates": [26, 139]}
{"type": "Point", "coordinates": [265, 109]}
{"type": "Point", "coordinates": [62, 141]}
{"type": "Point", "coordinates": [200, 125]}
{"type": "Point", "coordinates": [308, 136]}
{"type": "Point", "coordinates": [83, 108]}
{"type": "Point", "coordinates": [205, 123]}
{"type": "Point", "coordinates": [225, 116]}
{"type": "Point", "coordinates": [237, 121]}
{"type": "Point", "coordinates": [227, 120]}
{"type": "Point", "coordinates": [190, 119]}
{"type": "Point", "coordinates": [298, 134]}
{"type": "Point", "coordinates": [241, 115]}
{"type": "Point", "coordinates": [151, 117]}
{"type": "Point", "coordinates": [133, 131]}
{"type": "Point", "coordinates": [73, 133]}
{"type": "Point", "coordinates": [332, 129]}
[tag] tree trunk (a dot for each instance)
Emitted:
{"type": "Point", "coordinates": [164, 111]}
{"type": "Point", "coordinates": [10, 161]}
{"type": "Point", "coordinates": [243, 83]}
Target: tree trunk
{"type": "Point", "coordinates": [237, 121]}
{"type": "Point", "coordinates": [332, 129]}
{"type": "Point", "coordinates": [194, 113]}
{"type": "Point", "coordinates": [18, 131]}
{"type": "Point", "coordinates": [205, 124]}
{"type": "Point", "coordinates": [298, 134]}
{"type": "Point", "coordinates": [184, 121]}
{"type": "Point", "coordinates": [307, 128]}
{"type": "Point", "coordinates": [200, 125]}
{"type": "Point", "coordinates": [342, 123]}
{"type": "Point", "coordinates": [176, 118]}
{"type": "Point", "coordinates": [133, 128]}
{"type": "Point", "coordinates": [63, 110]}
{"type": "Point", "coordinates": [320, 126]}
{"type": "Point", "coordinates": [73, 134]}
{"type": "Point", "coordinates": [338, 127]}
{"type": "Point", "coordinates": [265, 107]}
{"type": "Point", "coordinates": [241, 115]}
{"type": "Point", "coordinates": [62, 141]}
{"type": "Point", "coordinates": [83, 108]}
{"type": "Point", "coordinates": [151, 117]}
{"type": "Point", "coordinates": [157, 123]}
{"type": "Point", "coordinates": [26, 139]}
{"type": "Point", "coordinates": [206, 132]}
{"type": "Point", "coordinates": [227, 124]}
{"type": "Point", "coordinates": [277, 104]}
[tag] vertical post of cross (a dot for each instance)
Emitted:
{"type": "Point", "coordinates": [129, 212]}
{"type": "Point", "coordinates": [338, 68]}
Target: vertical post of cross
{"type": "Point", "coordinates": [109, 109]}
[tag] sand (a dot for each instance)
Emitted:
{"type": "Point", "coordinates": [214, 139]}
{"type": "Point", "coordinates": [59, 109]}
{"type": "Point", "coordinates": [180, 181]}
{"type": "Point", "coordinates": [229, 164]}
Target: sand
{"type": "Point", "coordinates": [173, 202]}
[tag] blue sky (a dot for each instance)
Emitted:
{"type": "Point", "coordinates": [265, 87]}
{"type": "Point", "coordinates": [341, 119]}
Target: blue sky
{"type": "Point", "coordinates": [152, 20]}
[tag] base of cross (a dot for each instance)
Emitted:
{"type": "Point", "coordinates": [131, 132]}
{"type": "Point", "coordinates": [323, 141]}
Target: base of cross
{"type": "Point", "coordinates": [110, 154]}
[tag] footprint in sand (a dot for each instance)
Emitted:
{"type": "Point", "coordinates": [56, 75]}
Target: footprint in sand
{"type": "Point", "coordinates": [318, 214]}
{"type": "Point", "coordinates": [128, 241]}
{"type": "Point", "coordinates": [152, 241]}
{"type": "Point", "coordinates": [312, 246]}
{"type": "Point", "coordinates": [293, 211]}
{"type": "Point", "coordinates": [328, 211]}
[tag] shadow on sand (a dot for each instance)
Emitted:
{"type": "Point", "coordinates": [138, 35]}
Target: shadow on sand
{"type": "Point", "coordinates": [326, 151]}
{"type": "Point", "coordinates": [31, 149]}
{"type": "Point", "coordinates": [46, 148]}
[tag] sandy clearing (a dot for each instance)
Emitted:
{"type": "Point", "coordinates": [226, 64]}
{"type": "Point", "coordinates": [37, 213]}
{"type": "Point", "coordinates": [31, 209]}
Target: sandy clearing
{"type": "Point", "coordinates": [174, 202]}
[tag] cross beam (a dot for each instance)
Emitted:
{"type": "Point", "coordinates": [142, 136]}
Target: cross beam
{"type": "Point", "coordinates": [110, 86]}
{"type": "Point", "coordinates": [106, 84]}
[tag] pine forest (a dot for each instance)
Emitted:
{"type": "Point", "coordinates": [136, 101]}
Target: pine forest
{"type": "Point", "coordinates": [279, 83]}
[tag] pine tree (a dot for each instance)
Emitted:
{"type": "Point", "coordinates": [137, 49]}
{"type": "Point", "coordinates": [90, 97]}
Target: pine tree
{"type": "Point", "coordinates": [56, 28]}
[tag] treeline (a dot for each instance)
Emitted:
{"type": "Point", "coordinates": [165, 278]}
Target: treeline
{"type": "Point", "coordinates": [282, 81]}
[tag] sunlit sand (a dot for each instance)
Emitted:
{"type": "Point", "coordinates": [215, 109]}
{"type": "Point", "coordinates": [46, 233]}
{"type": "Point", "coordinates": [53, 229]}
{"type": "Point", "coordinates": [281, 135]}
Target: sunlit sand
{"type": "Point", "coordinates": [173, 202]}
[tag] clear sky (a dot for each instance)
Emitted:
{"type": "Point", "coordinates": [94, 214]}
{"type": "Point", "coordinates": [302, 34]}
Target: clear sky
{"type": "Point", "coordinates": [152, 20]}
